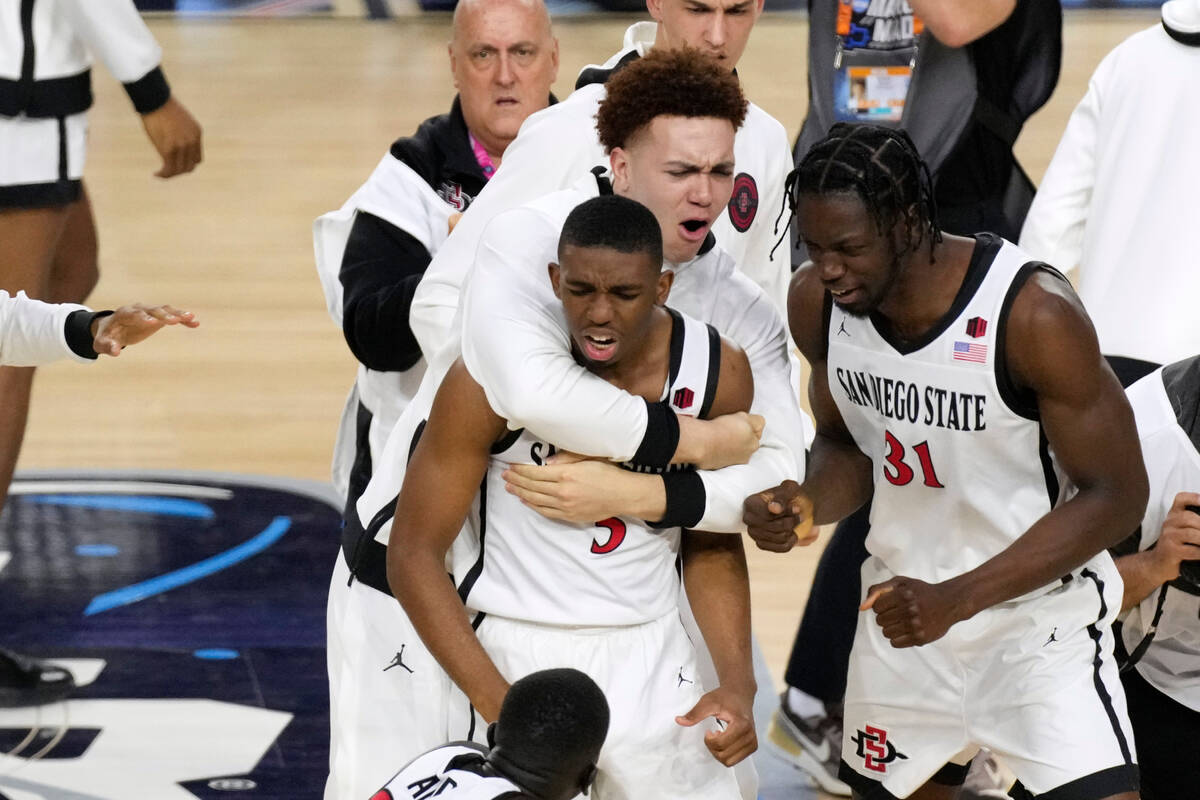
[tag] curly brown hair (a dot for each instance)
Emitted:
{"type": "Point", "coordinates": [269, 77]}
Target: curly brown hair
{"type": "Point", "coordinates": [677, 83]}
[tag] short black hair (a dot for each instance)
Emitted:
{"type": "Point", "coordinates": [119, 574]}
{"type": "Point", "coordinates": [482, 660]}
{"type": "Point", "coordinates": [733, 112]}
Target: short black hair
{"type": "Point", "coordinates": [880, 165]}
{"type": "Point", "coordinates": [551, 727]}
{"type": "Point", "coordinates": [615, 222]}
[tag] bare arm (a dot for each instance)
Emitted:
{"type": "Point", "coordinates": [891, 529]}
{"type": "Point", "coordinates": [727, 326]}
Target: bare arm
{"type": "Point", "coordinates": [1145, 571]}
{"type": "Point", "coordinates": [839, 476]}
{"type": "Point", "coordinates": [1086, 419]}
{"type": "Point", "coordinates": [441, 482]}
{"type": "Point", "coordinates": [718, 587]}
{"type": "Point", "coordinates": [957, 24]}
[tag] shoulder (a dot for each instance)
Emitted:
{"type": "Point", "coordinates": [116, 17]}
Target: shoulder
{"type": "Point", "coordinates": [763, 126]}
{"type": "Point", "coordinates": [735, 382]}
{"type": "Point", "coordinates": [423, 150]}
{"type": "Point", "coordinates": [577, 112]}
{"type": "Point", "coordinates": [807, 303]}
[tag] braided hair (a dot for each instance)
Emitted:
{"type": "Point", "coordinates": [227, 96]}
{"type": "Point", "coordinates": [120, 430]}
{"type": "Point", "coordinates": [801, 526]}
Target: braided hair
{"type": "Point", "coordinates": [879, 165]}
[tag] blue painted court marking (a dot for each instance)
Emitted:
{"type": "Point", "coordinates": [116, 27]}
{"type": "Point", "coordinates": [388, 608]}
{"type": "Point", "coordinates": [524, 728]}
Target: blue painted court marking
{"type": "Point", "coordinates": [201, 569]}
{"type": "Point", "coordinates": [98, 550]}
{"type": "Point", "coordinates": [217, 654]}
{"type": "Point", "coordinates": [147, 504]}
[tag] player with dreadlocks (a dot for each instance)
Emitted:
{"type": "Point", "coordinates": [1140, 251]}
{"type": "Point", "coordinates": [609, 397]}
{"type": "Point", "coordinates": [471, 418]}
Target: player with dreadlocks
{"type": "Point", "coordinates": [959, 382]}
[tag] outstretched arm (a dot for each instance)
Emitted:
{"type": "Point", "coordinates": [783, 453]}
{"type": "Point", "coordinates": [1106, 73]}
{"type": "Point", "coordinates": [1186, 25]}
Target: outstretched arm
{"type": "Point", "coordinates": [112, 333]}
{"type": "Point", "coordinates": [1086, 418]}
{"type": "Point", "coordinates": [442, 480]}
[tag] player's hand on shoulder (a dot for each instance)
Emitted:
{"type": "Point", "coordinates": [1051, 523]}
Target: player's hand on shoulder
{"type": "Point", "coordinates": [133, 323]}
{"type": "Point", "coordinates": [735, 710]}
{"type": "Point", "coordinates": [1180, 537]}
{"type": "Point", "coordinates": [725, 440]}
{"type": "Point", "coordinates": [912, 612]}
{"type": "Point", "coordinates": [781, 518]}
{"type": "Point", "coordinates": [175, 134]}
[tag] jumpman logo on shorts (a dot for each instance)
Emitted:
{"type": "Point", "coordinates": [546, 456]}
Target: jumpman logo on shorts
{"type": "Point", "coordinates": [398, 661]}
{"type": "Point", "coordinates": [1052, 638]}
{"type": "Point", "coordinates": [683, 680]}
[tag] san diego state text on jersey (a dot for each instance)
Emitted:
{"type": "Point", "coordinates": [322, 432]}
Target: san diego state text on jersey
{"type": "Point", "coordinates": [900, 400]}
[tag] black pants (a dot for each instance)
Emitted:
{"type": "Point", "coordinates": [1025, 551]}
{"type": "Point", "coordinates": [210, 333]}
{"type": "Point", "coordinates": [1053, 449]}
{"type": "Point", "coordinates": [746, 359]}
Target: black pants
{"type": "Point", "coordinates": [821, 652]}
{"type": "Point", "coordinates": [1165, 732]}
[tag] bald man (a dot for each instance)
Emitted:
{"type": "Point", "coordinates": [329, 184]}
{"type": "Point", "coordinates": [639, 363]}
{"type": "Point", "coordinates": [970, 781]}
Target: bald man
{"type": "Point", "coordinates": [370, 255]}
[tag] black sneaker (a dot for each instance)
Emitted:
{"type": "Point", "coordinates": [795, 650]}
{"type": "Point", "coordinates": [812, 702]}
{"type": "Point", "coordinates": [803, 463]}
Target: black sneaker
{"type": "Point", "coordinates": [28, 682]}
{"type": "Point", "coordinates": [812, 743]}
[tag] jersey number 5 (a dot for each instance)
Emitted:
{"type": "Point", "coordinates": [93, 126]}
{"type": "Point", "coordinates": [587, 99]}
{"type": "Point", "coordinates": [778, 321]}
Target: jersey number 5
{"type": "Point", "coordinates": [901, 474]}
{"type": "Point", "coordinates": [616, 535]}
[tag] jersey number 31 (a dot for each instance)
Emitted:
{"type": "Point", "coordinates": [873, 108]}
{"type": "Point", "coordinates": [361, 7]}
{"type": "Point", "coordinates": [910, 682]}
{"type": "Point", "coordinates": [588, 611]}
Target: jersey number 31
{"type": "Point", "coordinates": [900, 473]}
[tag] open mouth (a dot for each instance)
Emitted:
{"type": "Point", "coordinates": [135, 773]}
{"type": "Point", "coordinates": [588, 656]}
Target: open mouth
{"type": "Point", "coordinates": [694, 229]}
{"type": "Point", "coordinates": [598, 347]}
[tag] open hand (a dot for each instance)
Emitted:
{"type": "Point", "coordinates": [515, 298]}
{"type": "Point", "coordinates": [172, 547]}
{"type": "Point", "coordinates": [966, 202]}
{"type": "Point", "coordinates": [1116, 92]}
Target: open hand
{"type": "Point", "coordinates": [571, 488]}
{"type": "Point", "coordinates": [133, 323]}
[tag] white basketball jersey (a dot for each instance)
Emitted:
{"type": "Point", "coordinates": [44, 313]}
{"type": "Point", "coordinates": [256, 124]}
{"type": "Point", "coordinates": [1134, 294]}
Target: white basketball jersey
{"type": "Point", "coordinates": [961, 464]}
{"type": "Point", "coordinates": [617, 571]}
{"type": "Point", "coordinates": [453, 772]}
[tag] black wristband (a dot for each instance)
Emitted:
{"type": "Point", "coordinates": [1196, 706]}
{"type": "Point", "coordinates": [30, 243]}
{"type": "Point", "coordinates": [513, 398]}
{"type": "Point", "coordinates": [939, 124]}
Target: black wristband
{"type": "Point", "coordinates": [149, 92]}
{"type": "Point", "coordinates": [78, 331]}
{"type": "Point", "coordinates": [661, 437]}
{"type": "Point", "coordinates": [686, 500]}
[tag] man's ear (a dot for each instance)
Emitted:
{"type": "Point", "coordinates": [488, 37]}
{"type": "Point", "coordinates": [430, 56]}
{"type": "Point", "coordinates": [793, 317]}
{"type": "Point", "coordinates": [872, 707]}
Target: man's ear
{"type": "Point", "coordinates": [665, 279]}
{"type": "Point", "coordinates": [654, 8]}
{"type": "Point", "coordinates": [453, 63]}
{"type": "Point", "coordinates": [618, 160]}
{"type": "Point", "coordinates": [555, 273]}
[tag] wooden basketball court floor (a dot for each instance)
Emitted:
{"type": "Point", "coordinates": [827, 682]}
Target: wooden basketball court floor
{"type": "Point", "coordinates": [296, 113]}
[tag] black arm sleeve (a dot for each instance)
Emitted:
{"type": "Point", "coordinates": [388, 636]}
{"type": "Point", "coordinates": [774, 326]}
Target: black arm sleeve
{"type": "Point", "coordinates": [380, 271]}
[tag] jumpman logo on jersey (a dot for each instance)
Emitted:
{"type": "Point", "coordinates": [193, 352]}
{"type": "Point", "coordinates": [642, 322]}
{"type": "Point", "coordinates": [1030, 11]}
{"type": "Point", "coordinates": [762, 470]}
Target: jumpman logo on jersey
{"type": "Point", "coordinates": [1052, 638]}
{"type": "Point", "coordinates": [683, 680]}
{"type": "Point", "coordinates": [398, 661]}
{"type": "Point", "coordinates": [842, 329]}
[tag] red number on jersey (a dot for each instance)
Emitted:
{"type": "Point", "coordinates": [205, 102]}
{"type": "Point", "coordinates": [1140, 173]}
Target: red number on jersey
{"type": "Point", "coordinates": [895, 457]}
{"type": "Point", "coordinates": [616, 535]}
{"type": "Point", "coordinates": [903, 474]}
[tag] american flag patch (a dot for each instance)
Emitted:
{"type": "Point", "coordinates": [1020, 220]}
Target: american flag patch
{"type": "Point", "coordinates": [970, 351]}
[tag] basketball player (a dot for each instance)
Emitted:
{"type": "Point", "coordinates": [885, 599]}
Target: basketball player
{"type": "Point", "coordinates": [1161, 572]}
{"type": "Point", "coordinates": [46, 223]}
{"type": "Point", "coordinates": [543, 746]}
{"type": "Point", "coordinates": [959, 381]}
{"type": "Point", "coordinates": [370, 255]}
{"type": "Point", "coordinates": [372, 252]}
{"type": "Point", "coordinates": [600, 596]}
{"type": "Point", "coordinates": [646, 128]}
